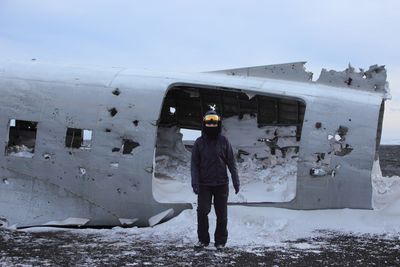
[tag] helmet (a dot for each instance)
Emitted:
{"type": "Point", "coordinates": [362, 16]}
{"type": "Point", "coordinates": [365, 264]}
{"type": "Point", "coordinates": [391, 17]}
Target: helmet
{"type": "Point", "coordinates": [211, 124]}
{"type": "Point", "coordinates": [211, 119]}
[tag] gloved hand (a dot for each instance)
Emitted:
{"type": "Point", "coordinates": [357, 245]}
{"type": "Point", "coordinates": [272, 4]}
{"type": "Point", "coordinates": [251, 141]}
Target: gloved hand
{"type": "Point", "coordinates": [237, 188]}
{"type": "Point", "coordinates": [195, 189]}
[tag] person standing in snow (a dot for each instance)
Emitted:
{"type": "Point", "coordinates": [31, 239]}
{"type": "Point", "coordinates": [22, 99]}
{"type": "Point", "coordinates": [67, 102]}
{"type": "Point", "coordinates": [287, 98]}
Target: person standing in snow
{"type": "Point", "coordinates": [211, 154]}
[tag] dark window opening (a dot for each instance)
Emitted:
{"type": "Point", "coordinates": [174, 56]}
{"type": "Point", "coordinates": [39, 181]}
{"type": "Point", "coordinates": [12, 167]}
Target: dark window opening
{"type": "Point", "coordinates": [22, 138]}
{"type": "Point", "coordinates": [185, 106]}
{"type": "Point", "coordinates": [78, 138]}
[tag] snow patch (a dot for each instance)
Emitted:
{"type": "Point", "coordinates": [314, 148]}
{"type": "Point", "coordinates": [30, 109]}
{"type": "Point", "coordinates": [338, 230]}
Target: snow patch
{"type": "Point", "coordinates": [128, 222]}
{"type": "Point", "coordinates": [266, 160]}
{"type": "Point", "coordinates": [156, 219]}
{"type": "Point", "coordinates": [21, 151]}
{"type": "Point", "coordinates": [69, 221]}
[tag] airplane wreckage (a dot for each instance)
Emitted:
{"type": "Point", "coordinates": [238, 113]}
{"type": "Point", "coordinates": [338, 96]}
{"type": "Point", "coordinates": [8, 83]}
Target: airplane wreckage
{"type": "Point", "coordinates": [81, 145]}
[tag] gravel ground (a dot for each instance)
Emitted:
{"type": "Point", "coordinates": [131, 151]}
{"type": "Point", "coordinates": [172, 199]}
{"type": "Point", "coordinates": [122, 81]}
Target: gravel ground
{"type": "Point", "coordinates": [68, 248]}
{"type": "Point", "coordinates": [79, 248]}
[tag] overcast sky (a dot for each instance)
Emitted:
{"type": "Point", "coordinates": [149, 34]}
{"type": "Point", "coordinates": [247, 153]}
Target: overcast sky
{"type": "Point", "coordinates": [206, 35]}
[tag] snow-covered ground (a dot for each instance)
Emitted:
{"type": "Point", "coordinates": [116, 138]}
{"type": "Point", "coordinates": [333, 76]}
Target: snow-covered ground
{"type": "Point", "coordinates": [254, 226]}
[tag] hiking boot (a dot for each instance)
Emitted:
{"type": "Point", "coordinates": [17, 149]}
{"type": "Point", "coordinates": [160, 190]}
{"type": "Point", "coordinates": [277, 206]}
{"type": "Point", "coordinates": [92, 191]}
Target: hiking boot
{"type": "Point", "coordinates": [200, 245]}
{"type": "Point", "coordinates": [219, 246]}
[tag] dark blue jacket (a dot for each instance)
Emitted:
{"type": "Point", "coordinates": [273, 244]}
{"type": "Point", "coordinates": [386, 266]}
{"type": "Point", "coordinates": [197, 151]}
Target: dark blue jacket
{"type": "Point", "coordinates": [210, 157]}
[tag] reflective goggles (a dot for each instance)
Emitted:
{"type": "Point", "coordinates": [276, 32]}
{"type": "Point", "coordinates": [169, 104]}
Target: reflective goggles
{"type": "Point", "coordinates": [211, 120]}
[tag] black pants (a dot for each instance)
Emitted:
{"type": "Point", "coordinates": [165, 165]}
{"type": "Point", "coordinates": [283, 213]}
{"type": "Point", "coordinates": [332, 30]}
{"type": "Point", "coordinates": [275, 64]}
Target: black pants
{"type": "Point", "coordinates": [204, 198]}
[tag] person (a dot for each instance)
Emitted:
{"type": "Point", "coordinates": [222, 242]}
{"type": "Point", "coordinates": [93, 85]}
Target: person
{"type": "Point", "coordinates": [211, 155]}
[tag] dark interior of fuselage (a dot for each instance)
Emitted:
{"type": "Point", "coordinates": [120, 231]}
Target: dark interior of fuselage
{"type": "Point", "coordinates": [263, 129]}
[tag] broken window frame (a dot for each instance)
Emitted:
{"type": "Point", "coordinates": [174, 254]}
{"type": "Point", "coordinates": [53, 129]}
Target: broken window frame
{"type": "Point", "coordinates": [17, 126]}
{"type": "Point", "coordinates": [78, 142]}
{"type": "Point", "coordinates": [288, 111]}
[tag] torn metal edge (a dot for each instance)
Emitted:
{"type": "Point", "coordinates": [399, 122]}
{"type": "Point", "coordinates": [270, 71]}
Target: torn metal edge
{"type": "Point", "coordinates": [374, 79]}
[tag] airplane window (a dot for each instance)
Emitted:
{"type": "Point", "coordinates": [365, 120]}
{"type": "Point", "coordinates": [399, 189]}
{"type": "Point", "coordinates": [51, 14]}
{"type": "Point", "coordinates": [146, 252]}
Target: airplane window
{"type": "Point", "coordinates": [21, 139]}
{"type": "Point", "coordinates": [78, 138]}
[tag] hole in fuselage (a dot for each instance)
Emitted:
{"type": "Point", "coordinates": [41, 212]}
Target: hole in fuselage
{"type": "Point", "coordinates": [113, 111]}
{"type": "Point", "coordinates": [264, 131]}
{"type": "Point", "coordinates": [78, 138]}
{"type": "Point", "coordinates": [21, 138]}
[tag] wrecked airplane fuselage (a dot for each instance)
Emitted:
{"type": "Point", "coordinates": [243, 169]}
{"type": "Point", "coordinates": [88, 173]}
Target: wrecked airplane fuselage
{"type": "Point", "coordinates": [79, 144]}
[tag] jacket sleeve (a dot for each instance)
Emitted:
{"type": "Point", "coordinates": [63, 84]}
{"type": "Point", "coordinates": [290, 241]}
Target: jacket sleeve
{"type": "Point", "coordinates": [195, 165]}
{"type": "Point", "coordinates": [231, 162]}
